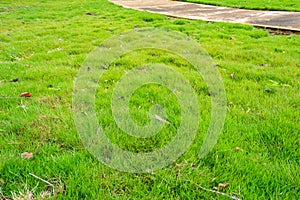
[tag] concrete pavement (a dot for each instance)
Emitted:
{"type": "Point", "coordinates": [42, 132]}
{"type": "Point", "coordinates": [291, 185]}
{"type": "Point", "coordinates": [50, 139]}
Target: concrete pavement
{"type": "Point", "coordinates": [269, 19]}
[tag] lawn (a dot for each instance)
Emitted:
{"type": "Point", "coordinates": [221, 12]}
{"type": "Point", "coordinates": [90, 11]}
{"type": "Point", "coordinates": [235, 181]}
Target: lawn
{"type": "Point", "coordinates": [288, 5]}
{"type": "Point", "coordinates": [43, 44]}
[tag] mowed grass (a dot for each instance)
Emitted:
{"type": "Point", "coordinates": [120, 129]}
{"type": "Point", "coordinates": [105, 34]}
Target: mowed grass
{"type": "Point", "coordinates": [45, 43]}
{"type": "Point", "coordinates": [292, 5]}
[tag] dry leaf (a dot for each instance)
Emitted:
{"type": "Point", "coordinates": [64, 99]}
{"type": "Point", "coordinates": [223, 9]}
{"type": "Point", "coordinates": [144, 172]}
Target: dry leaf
{"type": "Point", "coordinates": [60, 189]}
{"type": "Point", "coordinates": [46, 194]}
{"type": "Point", "coordinates": [25, 94]}
{"type": "Point", "coordinates": [222, 185]}
{"type": "Point", "coordinates": [232, 75]}
{"type": "Point", "coordinates": [90, 14]}
{"type": "Point", "coordinates": [238, 149]}
{"type": "Point", "coordinates": [15, 80]}
{"type": "Point", "coordinates": [27, 155]}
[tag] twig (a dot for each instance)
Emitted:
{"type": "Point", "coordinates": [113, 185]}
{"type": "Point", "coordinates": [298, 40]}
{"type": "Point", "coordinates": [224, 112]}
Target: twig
{"type": "Point", "coordinates": [214, 191]}
{"type": "Point", "coordinates": [161, 119]}
{"type": "Point", "coordinates": [50, 184]}
{"type": "Point", "coordinates": [217, 192]}
{"type": "Point", "coordinates": [1, 192]}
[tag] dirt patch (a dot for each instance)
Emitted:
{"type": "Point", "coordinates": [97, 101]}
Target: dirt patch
{"type": "Point", "coordinates": [278, 31]}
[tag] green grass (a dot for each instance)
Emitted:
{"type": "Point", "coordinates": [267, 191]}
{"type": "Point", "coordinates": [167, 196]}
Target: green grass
{"type": "Point", "coordinates": [287, 5]}
{"type": "Point", "coordinates": [44, 45]}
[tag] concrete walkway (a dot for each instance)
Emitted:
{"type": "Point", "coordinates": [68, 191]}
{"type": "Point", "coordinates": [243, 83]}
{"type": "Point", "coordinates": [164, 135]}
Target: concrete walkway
{"type": "Point", "coordinates": [268, 19]}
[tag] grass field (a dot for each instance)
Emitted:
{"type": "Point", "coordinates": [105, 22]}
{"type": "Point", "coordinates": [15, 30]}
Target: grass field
{"type": "Point", "coordinates": [44, 44]}
{"type": "Point", "coordinates": [292, 5]}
